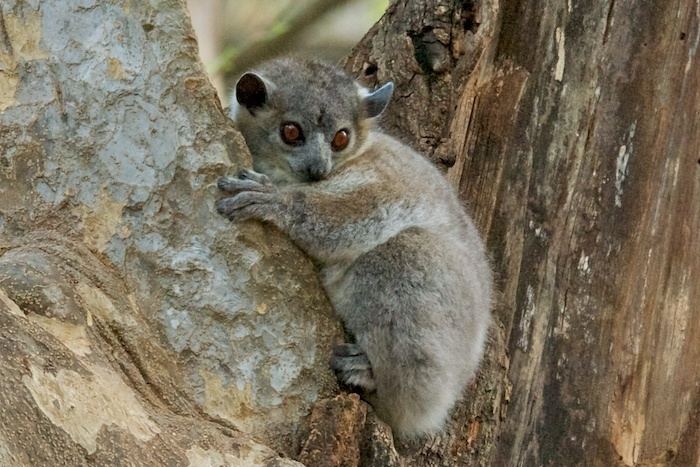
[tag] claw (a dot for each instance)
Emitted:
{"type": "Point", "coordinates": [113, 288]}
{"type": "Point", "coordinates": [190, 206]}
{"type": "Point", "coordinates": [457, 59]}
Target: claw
{"type": "Point", "coordinates": [247, 174]}
{"type": "Point", "coordinates": [237, 185]}
{"type": "Point", "coordinates": [223, 183]}
{"type": "Point", "coordinates": [220, 206]}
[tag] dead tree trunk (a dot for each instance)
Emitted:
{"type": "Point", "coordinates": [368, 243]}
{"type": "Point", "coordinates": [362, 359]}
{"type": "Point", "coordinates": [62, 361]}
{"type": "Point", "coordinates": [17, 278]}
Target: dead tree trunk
{"type": "Point", "coordinates": [572, 130]}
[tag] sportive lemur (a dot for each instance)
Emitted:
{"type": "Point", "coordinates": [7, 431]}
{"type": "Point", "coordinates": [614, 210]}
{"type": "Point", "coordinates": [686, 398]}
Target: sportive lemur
{"type": "Point", "coordinates": [401, 261]}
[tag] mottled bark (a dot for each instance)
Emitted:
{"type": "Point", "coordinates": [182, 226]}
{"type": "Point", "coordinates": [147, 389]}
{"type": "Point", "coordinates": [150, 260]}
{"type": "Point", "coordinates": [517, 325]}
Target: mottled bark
{"type": "Point", "coordinates": [571, 130]}
{"type": "Point", "coordinates": [138, 325]}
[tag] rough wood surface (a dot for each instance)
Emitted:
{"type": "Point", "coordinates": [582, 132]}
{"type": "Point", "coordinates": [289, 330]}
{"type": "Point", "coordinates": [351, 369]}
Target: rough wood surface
{"type": "Point", "coordinates": [572, 130]}
{"type": "Point", "coordinates": [334, 432]}
{"type": "Point", "coordinates": [134, 302]}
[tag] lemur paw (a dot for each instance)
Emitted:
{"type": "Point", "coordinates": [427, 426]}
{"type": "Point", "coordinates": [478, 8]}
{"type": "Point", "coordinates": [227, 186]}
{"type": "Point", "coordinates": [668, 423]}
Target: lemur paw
{"type": "Point", "coordinates": [246, 180]}
{"type": "Point", "coordinates": [352, 367]}
{"type": "Point", "coordinates": [247, 205]}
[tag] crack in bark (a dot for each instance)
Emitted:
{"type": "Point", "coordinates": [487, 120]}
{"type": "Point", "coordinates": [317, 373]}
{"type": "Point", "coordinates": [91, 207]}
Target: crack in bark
{"type": "Point", "coordinates": [161, 400]}
{"type": "Point", "coordinates": [608, 21]}
{"type": "Point", "coordinates": [4, 36]}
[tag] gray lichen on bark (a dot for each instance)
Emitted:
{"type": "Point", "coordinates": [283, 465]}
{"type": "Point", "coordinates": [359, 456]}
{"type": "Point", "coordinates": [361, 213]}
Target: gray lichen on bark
{"type": "Point", "coordinates": [112, 139]}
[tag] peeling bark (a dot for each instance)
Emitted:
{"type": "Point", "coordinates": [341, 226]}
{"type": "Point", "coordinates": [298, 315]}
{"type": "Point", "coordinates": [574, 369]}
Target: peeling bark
{"type": "Point", "coordinates": [334, 429]}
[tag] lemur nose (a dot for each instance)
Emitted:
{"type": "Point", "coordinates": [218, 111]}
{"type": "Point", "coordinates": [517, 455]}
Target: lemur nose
{"type": "Point", "coordinates": [314, 174]}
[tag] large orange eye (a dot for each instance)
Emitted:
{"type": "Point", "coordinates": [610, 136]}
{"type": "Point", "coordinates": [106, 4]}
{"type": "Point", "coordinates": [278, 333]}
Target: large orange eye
{"type": "Point", "coordinates": [340, 140]}
{"type": "Point", "coordinates": [291, 134]}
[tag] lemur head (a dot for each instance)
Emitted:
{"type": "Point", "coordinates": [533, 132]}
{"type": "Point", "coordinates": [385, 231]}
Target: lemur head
{"type": "Point", "coordinates": [302, 118]}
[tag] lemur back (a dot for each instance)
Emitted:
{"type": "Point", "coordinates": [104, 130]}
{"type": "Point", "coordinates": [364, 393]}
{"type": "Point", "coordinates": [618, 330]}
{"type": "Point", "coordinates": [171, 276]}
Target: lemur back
{"type": "Point", "coordinates": [401, 261]}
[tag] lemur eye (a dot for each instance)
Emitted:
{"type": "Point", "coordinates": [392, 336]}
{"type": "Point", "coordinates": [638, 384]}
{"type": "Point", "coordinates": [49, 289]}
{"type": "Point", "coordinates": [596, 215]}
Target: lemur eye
{"type": "Point", "coordinates": [340, 140]}
{"type": "Point", "coordinates": [291, 134]}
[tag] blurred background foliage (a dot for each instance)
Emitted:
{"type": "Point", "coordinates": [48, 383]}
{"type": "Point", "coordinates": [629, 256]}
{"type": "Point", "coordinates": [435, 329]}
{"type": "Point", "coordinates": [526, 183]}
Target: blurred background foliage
{"type": "Point", "coordinates": [235, 35]}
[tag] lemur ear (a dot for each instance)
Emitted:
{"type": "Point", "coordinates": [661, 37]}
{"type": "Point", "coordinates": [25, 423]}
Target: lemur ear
{"type": "Point", "coordinates": [376, 101]}
{"type": "Point", "coordinates": [251, 92]}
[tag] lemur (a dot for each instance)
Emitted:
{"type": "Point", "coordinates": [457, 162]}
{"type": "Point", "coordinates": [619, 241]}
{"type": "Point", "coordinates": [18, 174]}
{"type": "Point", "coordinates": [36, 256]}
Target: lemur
{"type": "Point", "coordinates": [400, 259]}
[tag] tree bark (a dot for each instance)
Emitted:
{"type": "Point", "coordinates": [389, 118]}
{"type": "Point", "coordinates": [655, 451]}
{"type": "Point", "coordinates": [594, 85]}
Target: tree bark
{"type": "Point", "coordinates": [137, 326]}
{"type": "Point", "coordinates": [571, 131]}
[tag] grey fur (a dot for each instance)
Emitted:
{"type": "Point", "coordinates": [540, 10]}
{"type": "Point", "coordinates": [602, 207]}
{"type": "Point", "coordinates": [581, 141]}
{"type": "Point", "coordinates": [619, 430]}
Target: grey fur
{"type": "Point", "coordinates": [401, 261]}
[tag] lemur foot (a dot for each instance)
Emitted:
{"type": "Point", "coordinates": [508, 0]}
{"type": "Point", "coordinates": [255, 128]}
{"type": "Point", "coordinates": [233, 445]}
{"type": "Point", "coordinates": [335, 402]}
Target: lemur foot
{"type": "Point", "coordinates": [352, 367]}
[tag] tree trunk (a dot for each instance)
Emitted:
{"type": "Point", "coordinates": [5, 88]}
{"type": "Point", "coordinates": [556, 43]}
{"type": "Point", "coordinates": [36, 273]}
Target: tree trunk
{"type": "Point", "coordinates": [571, 130]}
{"type": "Point", "coordinates": [137, 326]}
